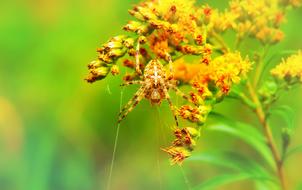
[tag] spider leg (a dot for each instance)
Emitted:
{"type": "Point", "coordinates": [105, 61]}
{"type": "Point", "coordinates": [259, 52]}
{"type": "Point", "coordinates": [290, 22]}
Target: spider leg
{"type": "Point", "coordinates": [121, 117]}
{"type": "Point", "coordinates": [132, 82]}
{"type": "Point", "coordinates": [137, 63]}
{"type": "Point", "coordinates": [135, 97]}
{"type": "Point", "coordinates": [170, 62]}
{"type": "Point", "coordinates": [170, 104]}
{"type": "Point", "coordinates": [183, 95]}
{"type": "Point", "coordinates": [180, 93]}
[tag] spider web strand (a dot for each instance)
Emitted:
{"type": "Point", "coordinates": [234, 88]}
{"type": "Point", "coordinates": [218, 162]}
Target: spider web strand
{"type": "Point", "coordinates": [115, 146]}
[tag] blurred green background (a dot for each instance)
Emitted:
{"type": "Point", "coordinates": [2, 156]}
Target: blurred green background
{"type": "Point", "coordinates": [57, 131]}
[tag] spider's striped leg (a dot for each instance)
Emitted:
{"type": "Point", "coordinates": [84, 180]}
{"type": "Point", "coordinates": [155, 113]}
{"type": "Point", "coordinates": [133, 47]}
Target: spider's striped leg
{"type": "Point", "coordinates": [171, 105]}
{"type": "Point", "coordinates": [170, 62]}
{"type": "Point", "coordinates": [135, 97]}
{"type": "Point", "coordinates": [180, 93]}
{"type": "Point", "coordinates": [183, 95]}
{"type": "Point", "coordinates": [132, 82]}
{"type": "Point", "coordinates": [138, 99]}
{"type": "Point", "coordinates": [137, 63]}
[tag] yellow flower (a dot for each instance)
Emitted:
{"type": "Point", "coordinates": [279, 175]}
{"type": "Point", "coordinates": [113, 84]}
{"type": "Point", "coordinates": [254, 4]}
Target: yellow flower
{"type": "Point", "coordinates": [258, 18]}
{"type": "Point", "coordinates": [224, 71]}
{"type": "Point", "coordinates": [290, 69]}
{"type": "Point", "coordinates": [185, 72]}
{"type": "Point", "coordinates": [178, 154]}
{"type": "Point", "coordinates": [295, 3]}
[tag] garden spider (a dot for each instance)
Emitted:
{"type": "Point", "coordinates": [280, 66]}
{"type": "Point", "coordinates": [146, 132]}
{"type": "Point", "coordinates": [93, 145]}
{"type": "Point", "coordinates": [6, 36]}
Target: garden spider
{"type": "Point", "coordinates": [155, 84]}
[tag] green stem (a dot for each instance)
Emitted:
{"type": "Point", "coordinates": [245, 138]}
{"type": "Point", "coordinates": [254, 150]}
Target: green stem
{"type": "Point", "coordinates": [259, 66]}
{"type": "Point", "coordinates": [268, 134]}
{"type": "Point", "coordinates": [238, 43]}
{"type": "Point", "coordinates": [220, 40]}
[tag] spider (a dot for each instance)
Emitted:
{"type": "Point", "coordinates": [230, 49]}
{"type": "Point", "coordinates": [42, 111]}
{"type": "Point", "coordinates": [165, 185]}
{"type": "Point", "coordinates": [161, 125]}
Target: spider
{"type": "Point", "coordinates": [154, 86]}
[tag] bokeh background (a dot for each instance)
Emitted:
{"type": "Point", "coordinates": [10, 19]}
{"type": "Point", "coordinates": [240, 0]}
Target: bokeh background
{"type": "Point", "coordinates": [57, 132]}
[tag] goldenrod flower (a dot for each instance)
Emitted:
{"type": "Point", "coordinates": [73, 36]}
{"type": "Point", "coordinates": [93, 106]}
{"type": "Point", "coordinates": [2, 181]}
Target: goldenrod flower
{"type": "Point", "coordinates": [223, 71]}
{"type": "Point", "coordinates": [115, 70]}
{"type": "Point", "coordinates": [98, 70]}
{"type": "Point", "coordinates": [294, 3]}
{"type": "Point", "coordinates": [178, 154]}
{"type": "Point", "coordinates": [289, 70]}
{"type": "Point", "coordinates": [256, 18]}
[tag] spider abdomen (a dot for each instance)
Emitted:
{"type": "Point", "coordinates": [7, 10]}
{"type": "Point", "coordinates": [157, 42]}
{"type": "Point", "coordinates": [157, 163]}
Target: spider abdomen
{"type": "Point", "coordinates": [155, 79]}
{"type": "Point", "coordinates": [155, 95]}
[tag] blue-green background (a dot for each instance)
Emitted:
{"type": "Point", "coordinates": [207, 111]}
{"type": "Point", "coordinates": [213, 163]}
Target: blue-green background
{"type": "Point", "coordinates": [57, 132]}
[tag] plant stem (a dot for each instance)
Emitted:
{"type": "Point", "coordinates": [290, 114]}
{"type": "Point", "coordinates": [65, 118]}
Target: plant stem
{"type": "Point", "coordinates": [220, 40]}
{"type": "Point", "coordinates": [268, 134]}
{"type": "Point", "coordinates": [259, 67]}
{"type": "Point", "coordinates": [237, 43]}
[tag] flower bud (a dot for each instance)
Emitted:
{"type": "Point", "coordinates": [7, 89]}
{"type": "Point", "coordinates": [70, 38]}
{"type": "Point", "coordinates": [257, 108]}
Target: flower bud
{"type": "Point", "coordinates": [114, 45]}
{"type": "Point", "coordinates": [115, 70]}
{"type": "Point", "coordinates": [142, 29]}
{"type": "Point", "coordinates": [137, 15]}
{"type": "Point", "coordinates": [97, 74]}
{"type": "Point", "coordinates": [114, 53]}
{"type": "Point", "coordinates": [147, 13]}
{"type": "Point", "coordinates": [119, 38]}
{"type": "Point", "coordinates": [193, 132]}
{"type": "Point", "coordinates": [94, 64]}
{"type": "Point", "coordinates": [198, 39]}
{"type": "Point", "coordinates": [132, 52]}
{"type": "Point", "coordinates": [142, 39]}
{"type": "Point", "coordinates": [132, 26]}
{"type": "Point", "coordinates": [106, 58]}
{"type": "Point", "coordinates": [128, 63]}
{"type": "Point", "coordinates": [189, 49]}
{"type": "Point", "coordinates": [178, 154]}
{"type": "Point", "coordinates": [129, 43]}
{"type": "Point", "coordinates": [158, 24]}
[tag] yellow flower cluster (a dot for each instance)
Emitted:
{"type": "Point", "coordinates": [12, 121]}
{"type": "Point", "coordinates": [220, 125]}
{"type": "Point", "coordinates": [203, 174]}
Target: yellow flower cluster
{"type": "Point", "coordinates": [211, 82]}
{"type": "Point", "coordinates": [258, 18]}
{"type": "Point", "coordinates": [162, 28]}
{"type": "Point", "coordinates": [255, 18]}
{"type": "Point", "coordinates": [182, 13]}
{"type": "Point", "coordinates": [226, 69]}
{"type": "Point", "coordinates": [294, 3]}
{"type": "Point", "coordinates": [223, 71]}
{"type": "Point", "coordinates": [216, 21]}
{"type": "Point", "coordinates": [109, 53]}
{"type": "Point", "coordinates": [183, 144]}
{"type": "Point", "coordinates": [289, 70]}
{"type": "Point", "coordinates": [169, 29]}
{"type": "Point", "coordinates": [169, 25]}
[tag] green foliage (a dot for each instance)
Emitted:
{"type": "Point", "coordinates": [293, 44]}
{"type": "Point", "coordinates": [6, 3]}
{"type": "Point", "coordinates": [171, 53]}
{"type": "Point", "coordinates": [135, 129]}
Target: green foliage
{"type": "Point", "coordinates": [293, 151]}
{"type": "Point", "coordinates": [57, 132]}
{"type": "Point", "coordinates": [222, 180]}
{"type": "Point", "coordinates": [243, 168]}
{"type": "Point", "coordinates": [286, 113]}
{"type": "Point", "coordinates": [247, 133]}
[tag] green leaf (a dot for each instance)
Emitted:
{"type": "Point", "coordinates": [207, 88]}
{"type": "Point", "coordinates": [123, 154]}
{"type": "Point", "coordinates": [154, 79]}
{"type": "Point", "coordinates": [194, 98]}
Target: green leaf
{"type": "Point", "coordinates": [278, 55]}
{"type": "Point", "coordinates": [221, 180]}
{"type": "Point", "coordinates": [245, 132]}
{"type": "Point", "coordinates": [287, 113]}
{"type": "Point", "coordinates": [225, 179]}
{"type": "Point", "coordinates": [233, 161]}
{"type": "Point", "coordinates": [236, 93]}
{"type": "Point", "coordinates": [247, 168]}
{"type": "Point", "coordinates": [266, 185]}
{"type": "Point", "coordinates": [293, 151]}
